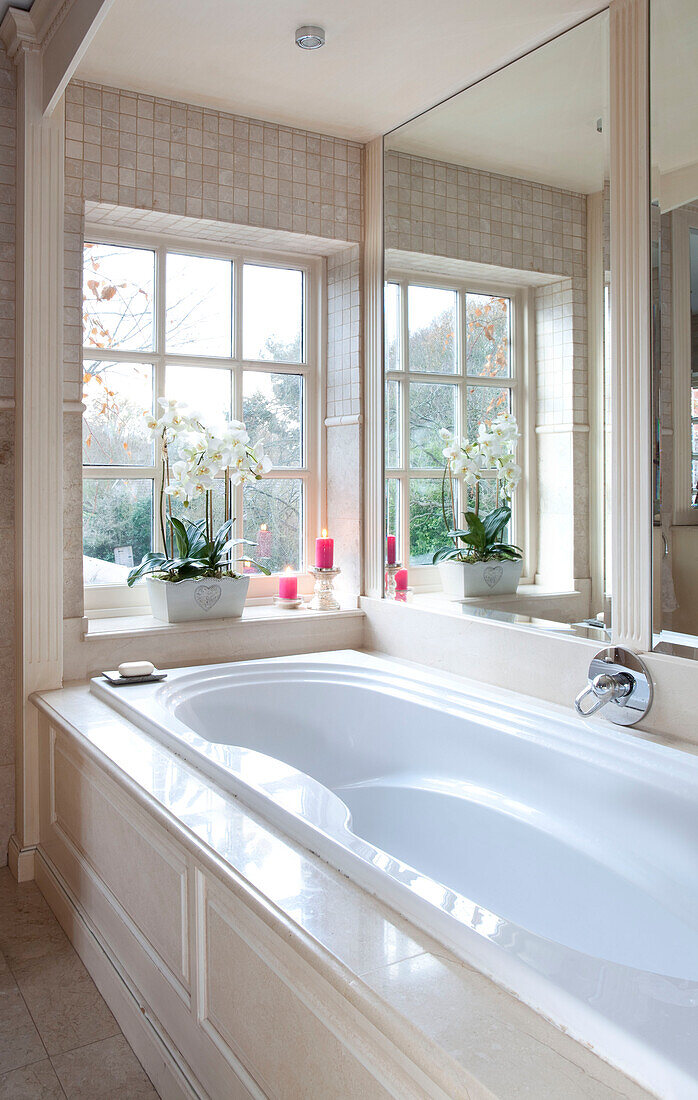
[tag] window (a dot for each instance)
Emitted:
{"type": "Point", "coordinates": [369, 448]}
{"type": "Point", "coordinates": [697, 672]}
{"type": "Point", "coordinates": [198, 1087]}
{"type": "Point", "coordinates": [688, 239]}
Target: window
{"type": "Point", "coordinates": [234, 336]}
{"type": "Point", "coordinates": [450, 362]}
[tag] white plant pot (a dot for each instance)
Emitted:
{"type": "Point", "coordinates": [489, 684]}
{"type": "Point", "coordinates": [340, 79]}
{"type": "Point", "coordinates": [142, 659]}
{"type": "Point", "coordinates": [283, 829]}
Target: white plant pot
{"type": "Point", "coordinates": [480, 578]}
{"type": "Point", "coordinates": [205, 598]}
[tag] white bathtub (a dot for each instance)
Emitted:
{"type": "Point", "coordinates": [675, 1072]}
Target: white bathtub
{"type": "Point", "coordinates": [559, 857]}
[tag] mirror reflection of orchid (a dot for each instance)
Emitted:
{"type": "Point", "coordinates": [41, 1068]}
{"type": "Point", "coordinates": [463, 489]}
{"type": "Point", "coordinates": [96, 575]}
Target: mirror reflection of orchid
{"type": "Point", "coordinates": [195, 548]}
{"type": "Point", "coordinates": [489, 460]}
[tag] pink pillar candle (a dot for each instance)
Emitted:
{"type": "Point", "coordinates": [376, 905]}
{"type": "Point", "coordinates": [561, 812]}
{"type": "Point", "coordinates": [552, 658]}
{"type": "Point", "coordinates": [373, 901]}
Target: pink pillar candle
{"type": "Point", "coordinates": [391, 557]}
{"type": "Point", "coordinates": [288, 585]}
{"type": "Point", "coordinates": [401, 580]}
{"type": "Point", "coordinates": [324, 552]}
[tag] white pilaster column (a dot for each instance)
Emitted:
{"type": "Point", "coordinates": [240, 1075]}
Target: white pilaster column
{"type": "Point", "coordinates": [39, 405]}
{"type": "Point", "coordinates": [630, 323]}
{"type": "Point", "coordinates": [374, 462]}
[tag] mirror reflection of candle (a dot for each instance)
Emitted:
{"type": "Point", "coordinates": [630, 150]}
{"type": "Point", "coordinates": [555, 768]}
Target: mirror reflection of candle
{"type": "Point", "coordinates": [288, 584]}
{"type": "Point", "coordinates": [264, 541]}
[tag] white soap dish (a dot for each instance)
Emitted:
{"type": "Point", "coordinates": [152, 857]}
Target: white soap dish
{"type": "Point", "coordinates": [117, 680]}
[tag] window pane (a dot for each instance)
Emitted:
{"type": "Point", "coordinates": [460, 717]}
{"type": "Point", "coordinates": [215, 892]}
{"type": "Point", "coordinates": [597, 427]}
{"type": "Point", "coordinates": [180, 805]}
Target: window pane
{"type": "Point", "coordinates": [199, 305]}
{"type": "Point", "coordinates": [118, 296]}
{"type": "Point", "coordinates": [432, 407]}
{"type": "Point", "coordinates": [427, 530]}
{"type": "Point", "coordinates": [272, 408]}
{"type": "Point", "coordinates": [487, 338]}
{"type": "Point", "coordinates": [392, 512]}
{"type": "Point", "coordinates": [272, 314]}
{"type": "Point", "coordinates": [484, 404]}
{"type": "Point", "coordinates": [207, 391]}
{"type": "Point", "coordinates": [431, 318]}
{"type": "Point", "coordinates": [694, 434]}
{"type": "Point", "coordinates": [487, 497]}
{"type": "Point", "coordinates": [392, 424]}
{"type": "Point", "coordinates": [113, 426]}
{"type": "Point", "coordinates": [196, 509]}
{"type": "Point", "coordinates": [115, 514]}
{"type": "Point", "coordinates": [278, 503]}
{"type": "Point", "coordinates": [392, 326]}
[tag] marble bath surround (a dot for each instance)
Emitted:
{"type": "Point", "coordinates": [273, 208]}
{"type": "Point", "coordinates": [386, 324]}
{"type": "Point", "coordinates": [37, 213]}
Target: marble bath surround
{"type": "Point", "coordinates": [265, 970]}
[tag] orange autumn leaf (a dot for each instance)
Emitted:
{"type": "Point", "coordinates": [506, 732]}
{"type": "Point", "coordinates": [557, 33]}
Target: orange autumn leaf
{"type": "Point", "coordinates": [108, 293]}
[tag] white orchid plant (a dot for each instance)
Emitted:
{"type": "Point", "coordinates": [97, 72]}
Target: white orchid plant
{"type": "Point", "coordinates": [195, 548]}
{"type": "Point", "coordinates": [491, 459]}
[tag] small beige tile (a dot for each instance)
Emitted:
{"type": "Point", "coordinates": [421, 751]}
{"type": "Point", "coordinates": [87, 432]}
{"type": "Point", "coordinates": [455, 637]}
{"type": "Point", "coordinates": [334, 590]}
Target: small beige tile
{"type": "Point", "coordinates": [64, 1001]}
{"type": "Point", "coordinates": [103, 1071]}
{"type": "Point", "coordinates": [19, 1040]}
{"type": "Point", "coordinates": [34, 1082]}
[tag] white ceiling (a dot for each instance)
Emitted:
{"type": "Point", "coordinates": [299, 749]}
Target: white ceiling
{"type": "Point", "coordinates": [384, 61]}
{"type": "Point", "coordinates": [535, 119]}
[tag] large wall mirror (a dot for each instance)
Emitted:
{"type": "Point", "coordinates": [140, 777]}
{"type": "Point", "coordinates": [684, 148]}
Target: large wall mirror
{"type": "Point", "coordinates": [497, 263]}
{"type": "Point", "coordinates": [674, 228]}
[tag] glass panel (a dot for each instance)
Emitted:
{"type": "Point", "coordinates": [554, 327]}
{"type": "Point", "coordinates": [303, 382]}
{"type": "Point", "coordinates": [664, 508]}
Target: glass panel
{"type": "Point", "coordinates": [694, 434]}
{"type": "Point", "coordinates": [427, 529]}
{"type": "Point", "coordinates": [432, 407]}
{"type": "Point", "coordinates": [206, 391]}
{"type": "Point", "coordinates": [272, 314]}
{"type": "Point", "coordinates": [487, 498]}
{"type": "Point", "coordinates": [196, 509]}
{"type": "Point", "coordinates": [694, 401]}
{"type": "Point", "coordinates": [431, 319]}
{"type": "Point", "coordinates": [487, 336]}
{"type": "Point", "coordinates": [694, 475]}
{"type": "Point", "coordinates": [113, 426]}
{"type": "Point", "coordinates": [278, 504]}
{"type": "Point", "coordinates": [392, 424]}
{"type": "Point", "coordinates": [199, 313]}
{"type": "Point", "coordinates": [118, 297]}
{"type": "Point", "coordinates": [484, 404]}
{"type": "Point", "coordinates": [392, 326]}
{"type": "Point", "coordinates": [272, 408]}
{"type": "Point", "coordinates": [392, 512]}
{"type": "Point", "coordinates": [117, 525]}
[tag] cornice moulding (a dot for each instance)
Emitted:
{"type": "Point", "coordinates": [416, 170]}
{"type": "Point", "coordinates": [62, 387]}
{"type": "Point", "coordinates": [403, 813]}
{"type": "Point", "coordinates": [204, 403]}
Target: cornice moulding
{"type": "Point", "coordinates": [32, 30]}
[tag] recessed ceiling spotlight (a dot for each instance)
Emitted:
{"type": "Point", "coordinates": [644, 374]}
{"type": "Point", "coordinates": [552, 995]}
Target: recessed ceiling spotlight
{"type": "Point", "coordinates": [310, 38]}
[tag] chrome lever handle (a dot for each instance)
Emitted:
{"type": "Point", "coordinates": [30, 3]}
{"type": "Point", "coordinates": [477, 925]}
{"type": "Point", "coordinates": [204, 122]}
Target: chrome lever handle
{"type": "Point", "coordinates": [605, 687]}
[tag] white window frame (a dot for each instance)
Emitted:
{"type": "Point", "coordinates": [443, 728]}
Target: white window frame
{"type": "Point", "coordinates": [426, 577]}
{"type": "Point", "coordinates": [118, 599]}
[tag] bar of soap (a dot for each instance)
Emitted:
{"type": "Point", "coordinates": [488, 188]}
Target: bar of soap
{"type": "Point", "coordinates": [136, 668]}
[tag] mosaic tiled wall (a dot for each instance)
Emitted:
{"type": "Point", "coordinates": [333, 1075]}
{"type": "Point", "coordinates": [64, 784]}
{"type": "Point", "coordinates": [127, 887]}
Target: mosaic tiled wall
{"type": "Point", "coordinates": [8, 147]}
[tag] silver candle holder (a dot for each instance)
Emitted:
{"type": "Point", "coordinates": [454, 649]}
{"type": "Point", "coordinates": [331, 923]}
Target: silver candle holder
{"type": "Point", "coordinates": [390, 588]}
{"type": "Point", "coordinates": [324, 598]}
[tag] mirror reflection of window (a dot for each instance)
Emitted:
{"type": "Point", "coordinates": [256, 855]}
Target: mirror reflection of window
{"type": "Point", "coordinates": [497, 265]}
{"type": "Point", "coordinates": [674, 282]}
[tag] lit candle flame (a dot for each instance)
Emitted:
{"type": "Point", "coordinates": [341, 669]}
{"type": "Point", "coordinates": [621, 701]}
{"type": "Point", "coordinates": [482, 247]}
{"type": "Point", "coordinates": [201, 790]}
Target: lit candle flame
{"type": "Point", "coordinates": [263, 527]}
{"type": "Point", "coordinates": [288, 571]}
{"type": "Point", "coordinates": [324, 533]}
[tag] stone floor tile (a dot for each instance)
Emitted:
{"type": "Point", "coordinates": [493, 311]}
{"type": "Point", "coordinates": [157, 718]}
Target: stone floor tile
{"type": "Point", "coordinates": [64, 1002]}
{"type": "Point", "coordinates": [20, 1043]}
{"type": "Point", "coordinates": [35, 1082]}
{"type": "Point", "coordinates": [103, 1071]}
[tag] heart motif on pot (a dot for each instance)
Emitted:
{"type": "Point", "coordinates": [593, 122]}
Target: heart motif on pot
{"type": "Point", "coordinates": [492, 575]}
{"type": "Point", "coordinates": [207, 595]}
